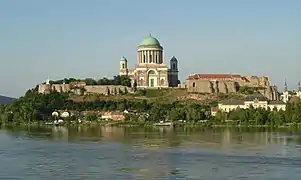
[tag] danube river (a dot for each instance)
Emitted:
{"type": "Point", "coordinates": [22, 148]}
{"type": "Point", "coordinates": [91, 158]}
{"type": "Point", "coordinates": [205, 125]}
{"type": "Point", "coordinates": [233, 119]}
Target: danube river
{"type": "Point", "coordinates": [86, 153]}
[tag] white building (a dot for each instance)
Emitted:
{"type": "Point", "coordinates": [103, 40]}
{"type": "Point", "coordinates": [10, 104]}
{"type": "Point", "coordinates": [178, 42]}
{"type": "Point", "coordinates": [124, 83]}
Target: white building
{"type": "Point", "coordinates": [256, 101]}
{"type": "Point", "coordinates": [150, 70]}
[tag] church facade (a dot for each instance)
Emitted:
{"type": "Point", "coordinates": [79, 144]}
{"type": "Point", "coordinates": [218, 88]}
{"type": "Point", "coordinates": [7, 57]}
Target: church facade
{"type": "Point", "coordinates": [150, 70]}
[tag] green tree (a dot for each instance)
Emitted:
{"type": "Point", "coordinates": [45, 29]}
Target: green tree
{"type": "Point", "coordinates": [157, 113]}
{"type": "Point", "coordinates": [297, 113]}
{"type": "Point", "coordinates": [91, 117]}
{"type": "Point", "coordinates": [258, 118]}
{"type": "Point", "coordinates": [90, 81]}
{"type": "Point", "coordinates": [289, 113]}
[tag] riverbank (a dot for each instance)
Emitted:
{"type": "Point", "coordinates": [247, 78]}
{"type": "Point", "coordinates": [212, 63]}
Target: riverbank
{"type": "Point", "coordinates": [153, 124]}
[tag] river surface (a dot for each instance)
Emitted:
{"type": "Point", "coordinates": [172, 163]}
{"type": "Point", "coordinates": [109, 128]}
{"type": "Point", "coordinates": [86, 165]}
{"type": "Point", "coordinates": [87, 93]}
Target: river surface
{"type": "Point", "coordinates": [86, 153]}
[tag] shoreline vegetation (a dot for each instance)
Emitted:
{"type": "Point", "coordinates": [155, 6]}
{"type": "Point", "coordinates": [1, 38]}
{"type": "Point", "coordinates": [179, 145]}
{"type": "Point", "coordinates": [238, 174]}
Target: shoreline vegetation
{"type": "Point", "coordinates": [124, 124]}
{"type": "Point", "coordinates": [36, 109]}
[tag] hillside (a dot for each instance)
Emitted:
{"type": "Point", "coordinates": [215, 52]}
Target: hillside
{"type": "Point", "coordinates": [164, 96]}
{"type": "Point", "coordinates": [5, 100]}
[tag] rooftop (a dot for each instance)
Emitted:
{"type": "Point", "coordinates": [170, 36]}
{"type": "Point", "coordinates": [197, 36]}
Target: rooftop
{"type": "Point", "coordinates": [150, 41]}
{"type": "Point", "coordinates": [213, 76]}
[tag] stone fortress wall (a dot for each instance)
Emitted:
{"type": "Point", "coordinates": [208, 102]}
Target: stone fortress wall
{"type": "Point", "coordinates": [96, 89]}
{"type": "Point", "coordinates": [104, 89]}
{"type": "Point", "coordinates": [229, 83]}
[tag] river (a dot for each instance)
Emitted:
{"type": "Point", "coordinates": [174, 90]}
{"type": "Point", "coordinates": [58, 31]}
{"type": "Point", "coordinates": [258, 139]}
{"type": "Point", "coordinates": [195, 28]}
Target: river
{"type": "Point", "coordinates": [84, 153]}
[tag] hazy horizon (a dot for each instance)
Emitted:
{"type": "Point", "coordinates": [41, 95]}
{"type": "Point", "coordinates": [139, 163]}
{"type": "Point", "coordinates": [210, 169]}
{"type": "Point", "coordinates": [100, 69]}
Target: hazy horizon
{"type": "Point", "coordinates": [83, 39]}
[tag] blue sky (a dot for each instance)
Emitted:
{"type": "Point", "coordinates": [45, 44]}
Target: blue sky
{"type": "Point", "coordinates": [86, 38]}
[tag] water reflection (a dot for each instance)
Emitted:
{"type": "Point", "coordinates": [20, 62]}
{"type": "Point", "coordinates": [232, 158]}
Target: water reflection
{"type": "Point", "coordinates": [101, 152]}
{"type": "Point", "coordinates": [224, 139]}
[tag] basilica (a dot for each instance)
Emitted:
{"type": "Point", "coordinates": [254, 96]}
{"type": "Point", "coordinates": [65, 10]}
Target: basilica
{"type": "Point", "coordinates": [150, 70]}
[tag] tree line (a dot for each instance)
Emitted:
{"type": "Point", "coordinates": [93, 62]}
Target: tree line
{"type": "Point", "coordinates": [117, 80]}
{"type": "Point", "coordinates": [260, 116]}
{"type": "Point", "coordinates": [34, 106]}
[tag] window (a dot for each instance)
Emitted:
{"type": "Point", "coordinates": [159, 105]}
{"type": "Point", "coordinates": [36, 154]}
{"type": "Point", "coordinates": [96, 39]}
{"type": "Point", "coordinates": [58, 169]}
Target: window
{"type": "Point", "coordinates": [151, 72]}
{"type": "Point", "coordinates": [144, 58]}
{"type": "Point", "coordinates": [141, 82]}
{"type": "Point", "coordinates": [193, 84]}
{"type": "Point", "coordinates": [162, 82]}
{"type": "Point", "coordinates": [150, 59]}
{"type": "Point", "coordinates": [123, 66]}
{"type": "Point", "coordinates": [152, 83]}
{"type": "Point", "coordinates": [174, 66]}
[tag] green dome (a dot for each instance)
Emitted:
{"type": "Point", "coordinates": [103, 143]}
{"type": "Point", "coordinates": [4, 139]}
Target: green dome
{"type": "Point", "coordinates": [150, 41]}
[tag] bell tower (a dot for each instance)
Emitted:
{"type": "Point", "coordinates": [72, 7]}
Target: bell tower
{"type": "Point", "coordinates": [285, 97]}
{"type": "Point", "coordinates": [173, 74]}
{"type": "Point", "coordinates": [298, 92]}
{"type": "Point", "coordinates": [123, 71]}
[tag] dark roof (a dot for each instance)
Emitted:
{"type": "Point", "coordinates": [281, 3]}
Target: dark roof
{"type": "Point", "coordinates": [256, 96]}
{"type": "Point", "coordinates": [276, 102]}
{"type": "Point", "coordinates": [232, 102]}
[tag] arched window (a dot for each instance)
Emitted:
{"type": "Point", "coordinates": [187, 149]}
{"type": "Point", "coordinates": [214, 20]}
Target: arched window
{"type": "Point", "coordinates": [151, 72]}
{"type": "Point", "coordinates": [123, 66]}
{"type": "Point", "coordinates": [174, 66]}
{"type": "Point", "coordinates": [162, 82]}
{"type": "Point", "coordinates": [141, 82]}
{"type": "Point", "coordinates": [193, 84]}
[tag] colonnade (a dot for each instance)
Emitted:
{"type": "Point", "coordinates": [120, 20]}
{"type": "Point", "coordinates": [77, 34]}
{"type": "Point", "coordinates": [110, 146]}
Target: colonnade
{"type": "Point", "coordinates": [150, 56]}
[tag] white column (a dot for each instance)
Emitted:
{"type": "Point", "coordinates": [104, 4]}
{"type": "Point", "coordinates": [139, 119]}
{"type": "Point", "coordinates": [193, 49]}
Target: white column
{"type": "Point", "coordinates": [144, 57]}
{"type": "Point", "coordinates": [159, 57]}
{"type": "Point", "coordinates": [154, 56]}
{"type": "Point", "coordinates": [147, 56]}
{"type": "Point", "coordinates": [140, 57]}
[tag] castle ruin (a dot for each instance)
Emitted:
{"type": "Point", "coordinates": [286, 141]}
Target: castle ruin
{"type": "Point", "coordinates": [230, 83]}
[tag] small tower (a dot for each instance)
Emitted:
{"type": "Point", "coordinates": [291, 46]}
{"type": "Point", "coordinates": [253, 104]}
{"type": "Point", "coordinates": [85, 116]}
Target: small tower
{"type": "Point", "coordinates": [285, 95]}
{"type": "Point", "coordinates": [45, 88]}
{"type": "Point", "coordinates": [173, 74]}
{"type": "Point", "coordinates": [298, 92]}
{"type": "Point", "coordinates": [47, 81]}
{"type": "Point", "coordinates": [123, 67]}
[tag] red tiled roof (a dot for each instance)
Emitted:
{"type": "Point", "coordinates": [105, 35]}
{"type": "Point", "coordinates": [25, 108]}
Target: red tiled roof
{"type": "Point", "coordinates": [213, 76]}
{"type": "Point", "coordinates": [61, 111]}
{"type": "Point", "coordinates": [245, 79]}
{"type": "Point", "coordinates": [214, 109]}
{"type": "Point", "coordinates": [78, 83]}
